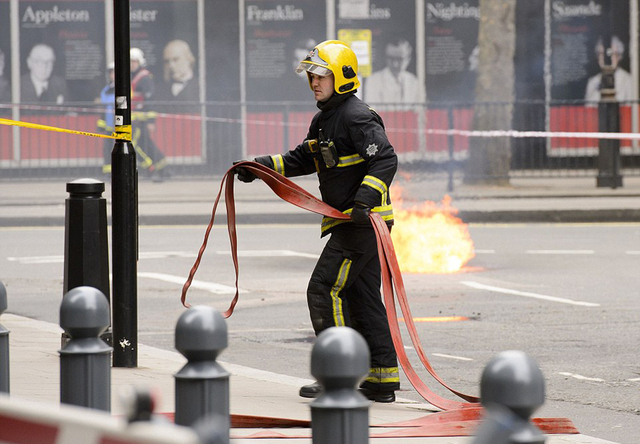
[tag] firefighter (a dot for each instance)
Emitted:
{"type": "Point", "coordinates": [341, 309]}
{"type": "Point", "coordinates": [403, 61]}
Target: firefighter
{"type": "Point", "coordinates": [106, 125]}
{"type": "Point", "coordinates": [142, 87]}
{"type": "Point", "coordinates": [347, 147]}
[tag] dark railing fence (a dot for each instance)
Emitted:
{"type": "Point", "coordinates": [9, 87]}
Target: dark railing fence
{"type": "Point", "coordinates": [203, 139]}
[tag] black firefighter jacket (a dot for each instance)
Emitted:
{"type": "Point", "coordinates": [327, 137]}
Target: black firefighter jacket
{"type": "Point", "coordinates": [366, 161]}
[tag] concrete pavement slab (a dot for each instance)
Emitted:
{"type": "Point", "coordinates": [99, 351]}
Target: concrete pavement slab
{"type": "Point", "coordinates": [34, 349]}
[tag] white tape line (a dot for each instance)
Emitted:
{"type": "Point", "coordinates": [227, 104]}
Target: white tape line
{"type": "Point", "coordinates": [459, 358]}
{"type": "Point", "coordinates": [580, 377]}
{"type": "Point", "coordinates": [270, 253]}
{"type": "Point", "coordinates": [200, 285]}
{"type": "Point", "coordinates": [523, 134]}
{"type": "Point", "coordinates": [560, 252]}
{"type": "Point", "coordinates": [525, 294]}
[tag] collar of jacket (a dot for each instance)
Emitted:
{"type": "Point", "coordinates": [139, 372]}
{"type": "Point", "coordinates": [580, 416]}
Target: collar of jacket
{"type": "Point", "coordinates": [334, 101]}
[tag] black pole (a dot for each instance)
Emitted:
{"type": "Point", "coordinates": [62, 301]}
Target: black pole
{"type": "Point", "coordinates": [608, 111]}
{"type": "Point", "coordinates": [450, 164]}
{"type": "Point", "coordinates": [124, 195]}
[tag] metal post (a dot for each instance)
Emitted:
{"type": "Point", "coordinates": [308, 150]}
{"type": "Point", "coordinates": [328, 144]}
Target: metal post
{"type": "Point", "coordinates": [86, 244]}
{"type": "Point", "coordinates": [450, 165]}
{"type": "Point", "coordinates": [85, 367]}
{"type": "Point", "coordinates": [339, 361]}
{"type": "Point", "coordinates": [608, 113]}
{"type": "Point", "coordinates": [511, 389]}
{"type": "Point", "coordinates": [4, 345]}
{"type": "Point", "coordinates": [124, 193]}
{"type": "Point", "coordinates": [202, 385]}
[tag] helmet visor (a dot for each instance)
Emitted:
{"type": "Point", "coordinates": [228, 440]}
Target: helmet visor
{"type": "Point", "coordinates": [314, 64]}
{"type": "Point", "coordinates": [313, 69]}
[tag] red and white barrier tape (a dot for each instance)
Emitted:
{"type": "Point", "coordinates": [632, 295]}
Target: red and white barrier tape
{"type": "Point", "coordinates": [23, 422]}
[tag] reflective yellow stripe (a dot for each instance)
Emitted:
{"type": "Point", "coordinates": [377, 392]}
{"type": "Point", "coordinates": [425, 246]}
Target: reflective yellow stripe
{"type": "Point", "coordinates": [346, 161]}
{"type": "Point", "coordinates": [380, 375]}
{"type": "Point", "coordinates": [146, 160]}
{"type": "Point", "coordinates": [385, 211]}
{"type": "Point", "coordinates": [341, 280]}
{"type": "Point", "coordinates": [376, 184]}
{"type": "Point", "coordinates": [278, 163]}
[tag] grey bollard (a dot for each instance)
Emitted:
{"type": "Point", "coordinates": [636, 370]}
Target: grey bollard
{"type": "Point", "coordinates": [4, 344]}
{"type": "Point", "coordinates": [339, 361]}
{"type": "Point", "coordinates": [512, 388]}
{"type": "Point", "coordinates": [86, 244]}
{"type": "Point", "coordinates": [202, 385]}
{"type": "Point", "coordinates": [85, 361]}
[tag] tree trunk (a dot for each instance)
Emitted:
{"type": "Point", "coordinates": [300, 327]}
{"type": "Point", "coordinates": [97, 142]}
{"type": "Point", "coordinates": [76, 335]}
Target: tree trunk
{"type": "Point", "coordinates": [490, 158]}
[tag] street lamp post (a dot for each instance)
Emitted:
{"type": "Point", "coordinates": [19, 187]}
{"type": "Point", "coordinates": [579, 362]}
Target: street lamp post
{"type": "Point", "coordinates": [124, 194]}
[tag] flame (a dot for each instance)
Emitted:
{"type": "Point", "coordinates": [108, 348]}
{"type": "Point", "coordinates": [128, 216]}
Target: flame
{"type": "Point", "coordinates": [429, 238]}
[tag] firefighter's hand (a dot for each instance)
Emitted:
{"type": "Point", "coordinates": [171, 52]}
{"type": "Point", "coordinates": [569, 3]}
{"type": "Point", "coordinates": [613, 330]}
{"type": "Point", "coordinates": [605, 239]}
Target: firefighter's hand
{"type": "Point", "coordinates": [360, 214]}
{"type": "Point", "coordinates": [244, 175]}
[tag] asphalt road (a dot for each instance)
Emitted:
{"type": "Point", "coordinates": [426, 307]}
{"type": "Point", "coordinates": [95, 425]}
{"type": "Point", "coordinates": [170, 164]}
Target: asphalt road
{"type": "Point", "coordinates": [565, 294]}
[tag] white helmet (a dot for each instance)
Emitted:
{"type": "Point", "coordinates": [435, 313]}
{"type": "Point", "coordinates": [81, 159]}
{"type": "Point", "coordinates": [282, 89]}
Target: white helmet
{"type": "Point", "coordinates": [137, 55]}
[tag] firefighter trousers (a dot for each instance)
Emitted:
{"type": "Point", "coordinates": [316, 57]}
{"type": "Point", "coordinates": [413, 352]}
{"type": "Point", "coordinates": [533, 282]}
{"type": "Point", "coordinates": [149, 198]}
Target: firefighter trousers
{"type": "Point", "coordinates": [344, 290]}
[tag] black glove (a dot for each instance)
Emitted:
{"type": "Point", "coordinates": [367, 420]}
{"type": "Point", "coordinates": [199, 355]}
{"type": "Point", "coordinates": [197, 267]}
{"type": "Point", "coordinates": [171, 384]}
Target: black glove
{"type": "Point", "coordinates": [360, 214]}
{"type": "Point", "coordinates": [244, 175]}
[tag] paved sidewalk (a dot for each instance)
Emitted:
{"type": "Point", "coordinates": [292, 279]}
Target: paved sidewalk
{"type": "Point", "coordinates": [189, 202]}
{"type": "Point", "coordinates": [35, 364]}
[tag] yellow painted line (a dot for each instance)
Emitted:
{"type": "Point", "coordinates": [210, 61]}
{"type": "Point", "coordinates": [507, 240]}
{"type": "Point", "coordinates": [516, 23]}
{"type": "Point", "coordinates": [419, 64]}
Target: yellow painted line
{"type": "Point", "coordinates": [120, 135]}
{"type": "Point", "coordinates": [438, 319]}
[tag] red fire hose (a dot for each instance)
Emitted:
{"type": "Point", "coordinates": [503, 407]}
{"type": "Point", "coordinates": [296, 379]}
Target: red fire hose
{"type": "Point", "coordinates": [391, 276]}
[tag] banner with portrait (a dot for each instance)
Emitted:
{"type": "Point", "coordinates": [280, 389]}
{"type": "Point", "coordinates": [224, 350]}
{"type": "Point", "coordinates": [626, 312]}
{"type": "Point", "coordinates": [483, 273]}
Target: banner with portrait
{"type": "Point", "coordinates": [577, 30]}
{"type": "Point", "coordinates": [61, 51]}
{"type": "Point", "coordinates": [6, 139]}
{"type": "Point", "coordinates": [167, 34]}
{"type": "Point", "coordinates": [581, 32]}
{"type": "Point", "coordinates": [451, 49]}
{"type": "Point", "coordinates": [383, 37]}
{"type": "Point", "coordinates": [278, 35]}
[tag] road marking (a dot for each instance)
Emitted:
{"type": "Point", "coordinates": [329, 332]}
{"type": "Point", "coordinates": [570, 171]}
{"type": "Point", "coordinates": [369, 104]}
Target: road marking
{"type": "Point", "coordinates": [580, 377]}
{"type": "Point", "coordinates": [632, 252]}
{"type": "Point", "coordinates": [525, 294]}
{"type": "Point", "coordinates": [438, 319]}
{"type": "Point", "coordinates": [37, 259]}
{"type": "Point", "coordinates": [459, 358]}
{"type": "Point", "coordinates": [560, 252]}
{"type": "Point", "coordinates": [634, 380]}
{"type": "Point", "coordinates": [58, 259]}
{"type": "Point", "coordinates": [270, 253]}
{"type": "Point", "coordinates": [200, 285]}
{"type": "Point", "coordinates": [484, 251]}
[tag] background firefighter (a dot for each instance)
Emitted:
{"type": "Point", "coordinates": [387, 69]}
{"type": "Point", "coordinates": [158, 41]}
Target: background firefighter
{"type": "Point", "coordinates": [142, 88]}
{"type": "Point", "coordinates": [347, 147]}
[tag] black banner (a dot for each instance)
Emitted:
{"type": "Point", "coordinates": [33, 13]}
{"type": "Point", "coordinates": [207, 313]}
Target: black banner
{"type": "Point", "coordinates": [383, 36]}
{"type": "Point", "coordinates": [5, 55]}
{"type": "Point", "coordinates": [166, 31]}
{"type": "Point", "coordinates": [451, 32]}
{"type": "Point", "coordinates": [577, 31]}
{"type": "Point", "coordinates": [278, 35]}
{"type": "Point", "coordinates": [62, 50]}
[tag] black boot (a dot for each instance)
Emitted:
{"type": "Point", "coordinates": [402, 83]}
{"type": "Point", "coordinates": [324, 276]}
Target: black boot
{"type": "Point", "coordinates": [311, 390]}
{"type": "Point", "coordinates": [377, 395]}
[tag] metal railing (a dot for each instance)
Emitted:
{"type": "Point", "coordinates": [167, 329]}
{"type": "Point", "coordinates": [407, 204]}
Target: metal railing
{"type": "Point", "coordinates": [203, 139]}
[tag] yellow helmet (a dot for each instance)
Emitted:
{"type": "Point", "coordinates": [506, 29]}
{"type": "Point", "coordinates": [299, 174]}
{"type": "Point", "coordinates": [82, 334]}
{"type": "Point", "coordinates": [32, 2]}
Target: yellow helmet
{"type": "Point", "coordinates": [333, 57]}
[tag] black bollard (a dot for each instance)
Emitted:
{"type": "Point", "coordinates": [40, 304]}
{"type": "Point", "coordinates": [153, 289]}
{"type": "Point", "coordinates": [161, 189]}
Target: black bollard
{"type": "Point", "coordinates": [202, 385]}
{"type": "Point", "coordinates": [4, 344]}
{"type": "Point", "coordinates": [511, 389]}
{"type": "Point", "coordinates": [86, 244]}
{"type": "Point", "coordinates": [85, 361]}
{"type": "Point", "coordinates": [340, 361]}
